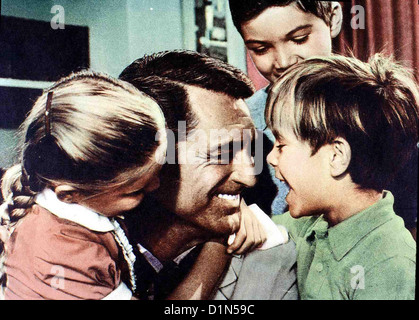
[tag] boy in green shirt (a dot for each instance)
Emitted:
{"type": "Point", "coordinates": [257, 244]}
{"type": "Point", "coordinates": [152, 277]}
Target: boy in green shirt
{"type": "Point", "coordinates": [343, 129]}
{"type": "Point", "coordinates": [278, 34]}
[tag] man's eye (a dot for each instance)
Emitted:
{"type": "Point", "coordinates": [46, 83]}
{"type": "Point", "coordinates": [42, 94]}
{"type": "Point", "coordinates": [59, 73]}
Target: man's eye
{"type": "Point", "coordinates": [300, 39]}
{"type": "Point", "coordinates": [221, 157]}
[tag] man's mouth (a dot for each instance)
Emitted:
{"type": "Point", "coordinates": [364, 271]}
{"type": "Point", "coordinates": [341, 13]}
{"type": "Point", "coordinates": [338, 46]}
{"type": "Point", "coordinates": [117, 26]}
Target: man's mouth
{"type": "Point", "coordinates": [232, 200]}
{"type": "Point", "coordinates": [227, 196]}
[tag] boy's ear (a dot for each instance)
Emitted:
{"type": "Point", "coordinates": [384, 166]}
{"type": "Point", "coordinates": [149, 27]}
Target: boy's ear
{"type": "Point", "coordinates": [336, 19]}
{"type": "Point", "coordinates": [67, 193]}
{"type": "Point", "coordinates": [340, 157]}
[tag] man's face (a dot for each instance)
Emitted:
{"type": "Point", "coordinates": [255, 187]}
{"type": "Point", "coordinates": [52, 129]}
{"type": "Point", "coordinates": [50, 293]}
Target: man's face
{"type": "Point", "coordinates": [282, 36]}
{"type": "Point", "coordinates": [200, 190]}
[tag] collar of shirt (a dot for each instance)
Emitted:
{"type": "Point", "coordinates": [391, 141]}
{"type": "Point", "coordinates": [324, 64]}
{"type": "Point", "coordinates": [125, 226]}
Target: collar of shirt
{"type": "Point", "coordinates": [73, 212]}
{"type": "Point", "coordinates": [345, 235]}
{"type": "Point", "coordinates": [155, 263]}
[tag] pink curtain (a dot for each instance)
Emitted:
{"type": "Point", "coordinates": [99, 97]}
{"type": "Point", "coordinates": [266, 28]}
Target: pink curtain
{"type": "Point", "coordinates": [258, 80]}
{"type": "Point", "coordinates": [391, 26]}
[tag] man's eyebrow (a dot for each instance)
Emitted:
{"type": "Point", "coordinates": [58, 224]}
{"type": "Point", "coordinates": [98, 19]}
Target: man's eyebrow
{"type": "Point", "coordinates": [305, 26]}
{"type": "Point", "coordinates": [227, 144]}
{"type": "Point", "coordinates": [231, 142]}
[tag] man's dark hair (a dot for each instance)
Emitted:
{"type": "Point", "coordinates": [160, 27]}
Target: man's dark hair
{"type": "Point", "coordinates": [163, 77]}
{"type": "Point", "coordinates": [245, 10]}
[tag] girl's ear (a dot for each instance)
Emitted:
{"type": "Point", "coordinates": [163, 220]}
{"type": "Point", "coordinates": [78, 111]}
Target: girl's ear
{"type": "Point", "coordinates": [340, 158]}
{"type": "Point", "coordinates": [67, 193]}
{"type": "Point", "coordinates": [336, 19]}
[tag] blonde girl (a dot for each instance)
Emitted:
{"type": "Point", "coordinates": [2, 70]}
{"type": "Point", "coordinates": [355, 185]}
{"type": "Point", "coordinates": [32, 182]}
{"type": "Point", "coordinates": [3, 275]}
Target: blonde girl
{"type": "Point", "coordinates": [88, 153]}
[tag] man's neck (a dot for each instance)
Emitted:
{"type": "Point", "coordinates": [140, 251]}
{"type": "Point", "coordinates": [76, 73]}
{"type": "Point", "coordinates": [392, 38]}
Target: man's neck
{"type": "Point", "coordinates": [165, 235]}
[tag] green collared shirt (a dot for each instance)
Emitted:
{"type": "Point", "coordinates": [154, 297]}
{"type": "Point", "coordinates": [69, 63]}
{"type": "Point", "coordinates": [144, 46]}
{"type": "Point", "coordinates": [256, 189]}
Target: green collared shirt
{"type": "Point", "coordinates": [368, 256]}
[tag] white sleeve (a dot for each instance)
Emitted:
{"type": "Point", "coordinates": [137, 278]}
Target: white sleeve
{"type": "Point", "coordinates": [120, 293]}
{"type": "Point", "coordinates": [275, 234]}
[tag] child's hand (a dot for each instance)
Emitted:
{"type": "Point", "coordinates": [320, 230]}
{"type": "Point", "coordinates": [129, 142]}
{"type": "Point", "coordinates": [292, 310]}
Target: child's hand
{"type": "Point", "coordinates": [250, 235]}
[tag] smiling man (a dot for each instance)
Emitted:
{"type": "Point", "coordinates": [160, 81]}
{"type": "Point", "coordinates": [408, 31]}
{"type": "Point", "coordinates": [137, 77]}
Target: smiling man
{"type": "Point", "coordinates": [214, 187]}
{"type": "Point", "coordinates": [199, 199]}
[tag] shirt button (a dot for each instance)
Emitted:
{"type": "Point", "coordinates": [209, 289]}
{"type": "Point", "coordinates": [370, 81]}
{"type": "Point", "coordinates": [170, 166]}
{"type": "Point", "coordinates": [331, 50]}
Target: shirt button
{"type": "Point", "coordinates": [319, 267]}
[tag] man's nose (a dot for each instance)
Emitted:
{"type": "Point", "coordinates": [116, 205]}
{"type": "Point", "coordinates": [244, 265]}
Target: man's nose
{"type": "Point", "coordinates": [244, 169]}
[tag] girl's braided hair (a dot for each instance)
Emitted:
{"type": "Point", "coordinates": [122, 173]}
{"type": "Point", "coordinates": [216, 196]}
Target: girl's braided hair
{"type": "Point", "coordinates": [99, 133]}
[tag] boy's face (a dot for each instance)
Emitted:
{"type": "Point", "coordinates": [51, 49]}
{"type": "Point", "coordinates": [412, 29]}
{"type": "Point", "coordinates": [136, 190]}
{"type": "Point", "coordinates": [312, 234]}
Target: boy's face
{"type": "Point", "coordinates": [309, 180]}
{"type": "Point", "coordinates": [282, 36]}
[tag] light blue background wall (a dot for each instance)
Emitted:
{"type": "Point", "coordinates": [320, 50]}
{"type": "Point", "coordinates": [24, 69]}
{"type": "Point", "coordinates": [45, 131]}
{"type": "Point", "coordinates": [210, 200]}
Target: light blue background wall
{"type": "Point", "coordinates": [120, 31]}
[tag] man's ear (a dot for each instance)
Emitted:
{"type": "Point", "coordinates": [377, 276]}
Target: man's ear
{"type": "Point", "coordinates": [67, 194]}
{"type": "Point", "coordinates": [340, 157]}
{"type": "Point", "coordinates": [336, 19]}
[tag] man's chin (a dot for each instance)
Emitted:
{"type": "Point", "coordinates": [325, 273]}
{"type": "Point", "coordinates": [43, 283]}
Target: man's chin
{"type": "Point", "coordinates": [234, 222]}
{"type": "Point", "coordinates": [223, 227]}
{"type": "Point", "coordinates": [221, 217]}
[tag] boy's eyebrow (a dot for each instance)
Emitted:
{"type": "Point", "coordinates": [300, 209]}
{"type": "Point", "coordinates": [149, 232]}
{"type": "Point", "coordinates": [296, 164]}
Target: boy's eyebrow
{"type": "Point", "coordinates": [306, 26]}
{"type": "Point", "coordinates": [278, 135]}
{"type": "Point", "coordinates": [254, 41]}
{"type": "Point", "coordinates": [288, 35]}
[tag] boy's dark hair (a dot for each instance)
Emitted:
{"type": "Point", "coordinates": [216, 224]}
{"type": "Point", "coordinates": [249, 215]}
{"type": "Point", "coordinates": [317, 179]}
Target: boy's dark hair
{"type": "Point", "coordinates": [163, 77]}
{"type": "Point", "coordinates": [374, 106]}
{"type": "Point", "coordinates": [246, 10]}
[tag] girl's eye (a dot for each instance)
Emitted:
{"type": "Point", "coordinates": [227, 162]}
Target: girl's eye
{"type": "Point", "coordinates": [134, 193]}
{"type": "Point", "coordinates": [300, 40]}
